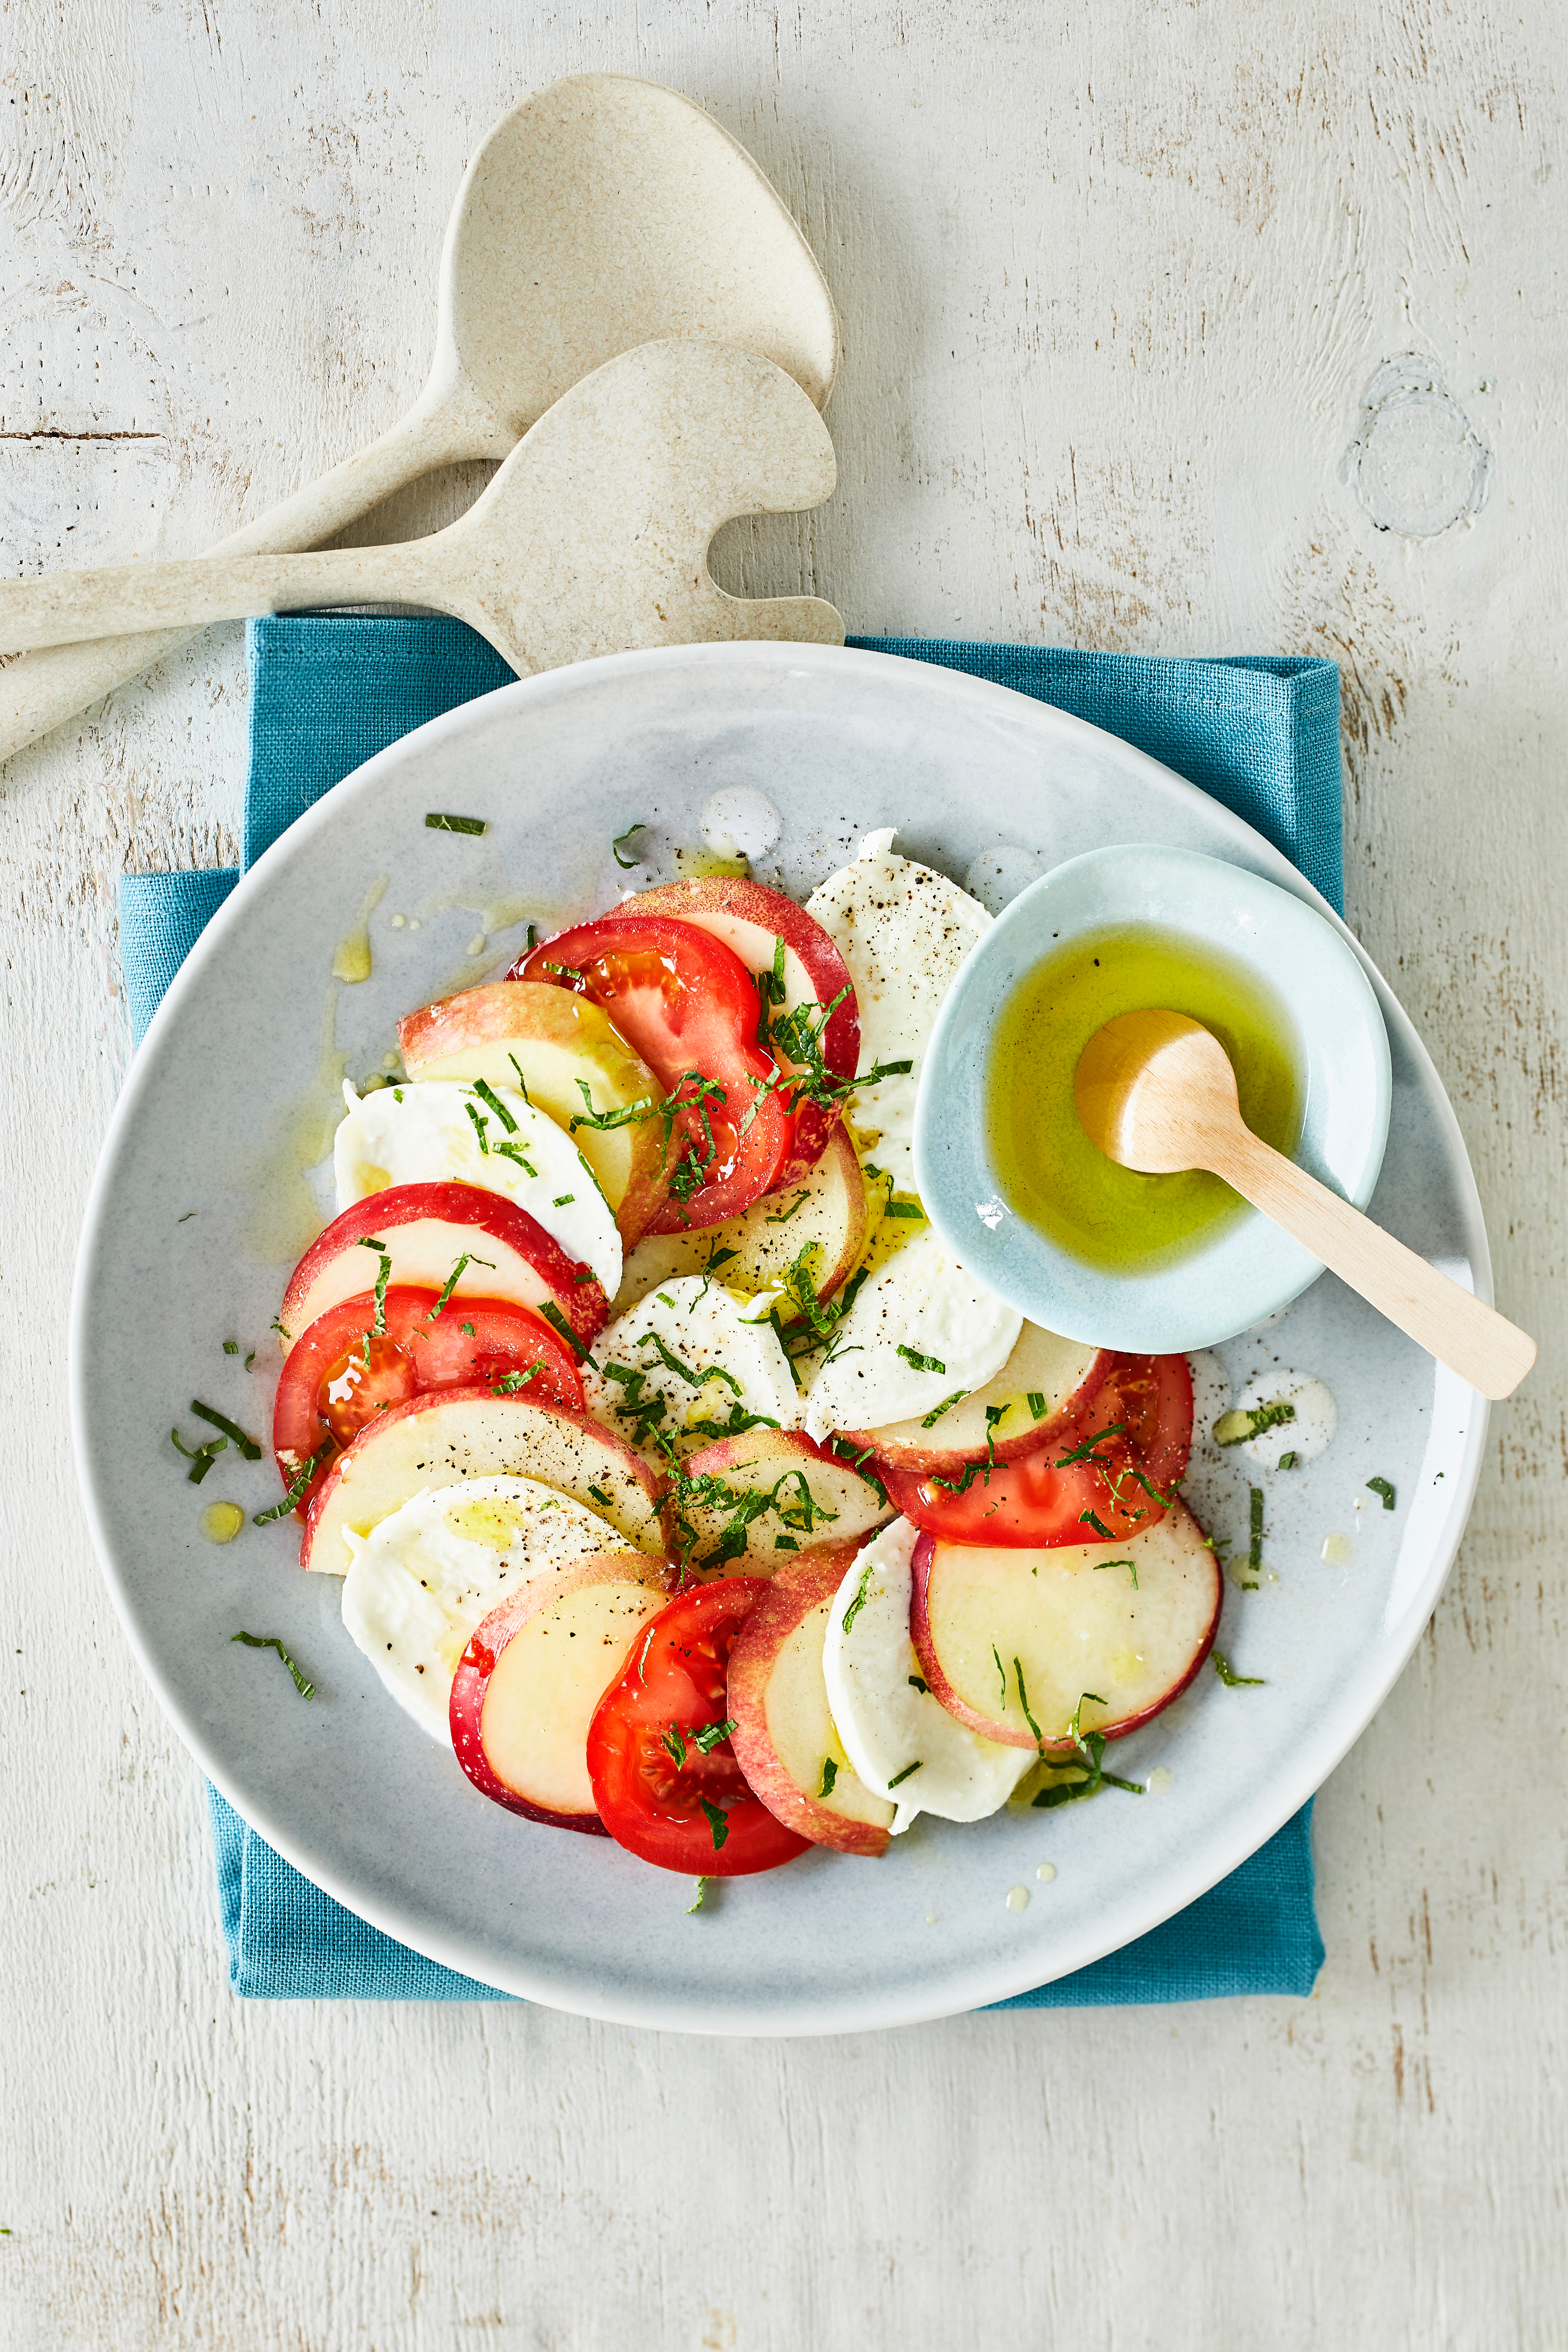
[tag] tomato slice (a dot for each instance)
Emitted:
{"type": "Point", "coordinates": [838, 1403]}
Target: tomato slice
{"type": "Point", "coordinates": [686, 1002]}
{"type": "Point", "coordinates": [472, 1342]}
{"type": "Point", "coordinates": [1103, 1479]}
{"type": "Point", "coordinates": [650, 1774]}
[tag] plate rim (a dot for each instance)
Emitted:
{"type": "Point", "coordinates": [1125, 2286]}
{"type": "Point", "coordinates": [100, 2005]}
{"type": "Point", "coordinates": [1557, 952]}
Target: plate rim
{"type": "Point", "coordinates": [1251, 1825]}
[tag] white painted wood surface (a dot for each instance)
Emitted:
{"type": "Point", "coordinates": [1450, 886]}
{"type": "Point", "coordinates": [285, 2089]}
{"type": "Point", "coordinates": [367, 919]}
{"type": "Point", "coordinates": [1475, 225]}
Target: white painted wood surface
{"type": "Point", "coordinates": [1115, 283]}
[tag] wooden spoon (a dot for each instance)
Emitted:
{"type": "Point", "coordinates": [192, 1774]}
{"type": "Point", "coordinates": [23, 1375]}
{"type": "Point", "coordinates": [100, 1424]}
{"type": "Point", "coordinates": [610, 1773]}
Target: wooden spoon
{"type": "Point", "coordinates": [593, 538]}
{"type": "Point", "coordinates": [1156, 1092]}
{"type": "Point", "coordinates": [600, 214]}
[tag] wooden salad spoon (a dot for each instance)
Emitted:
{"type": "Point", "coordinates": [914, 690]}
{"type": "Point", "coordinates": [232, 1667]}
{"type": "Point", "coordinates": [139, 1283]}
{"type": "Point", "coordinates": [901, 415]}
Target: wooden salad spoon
{"type": "Point", "coordinates": [602, 213]}
{"type": "Point", "coordinates": [1156, 1092]}
{"type": "Point", "coordinates": [593, 538]}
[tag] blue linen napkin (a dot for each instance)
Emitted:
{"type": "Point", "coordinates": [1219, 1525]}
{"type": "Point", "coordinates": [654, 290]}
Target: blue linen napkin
{"type": "Point", "coordinates": [1258, 732]}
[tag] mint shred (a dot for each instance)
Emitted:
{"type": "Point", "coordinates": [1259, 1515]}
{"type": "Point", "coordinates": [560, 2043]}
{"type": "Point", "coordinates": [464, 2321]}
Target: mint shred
{"type": "Point", "coordinates": [1255, 1534]}
{"type": "Point", "coordinates": [1230, 1678]}
{"type": "Point", "coordinates": [562, 1200]}
{"type": "Point", "coordinates": [639, 824]}
{"type": "Point", "coordinates": [437, 821]}
{"type": "Point", "coordinates": [897, 1208]}
{"type": "Point", "coordinates": [716, 1822]}
{"type": "Point", "coordinates": [1129, 1565]}
{"type": "Point", "coordinates": [674, 1745]}
{"type": "Point", "coordinates": [1088, 1756]}
{"type": "Point", "coordinates": [899, 1777]}
{"type": "Point", "coordinates": [200, 1457]}
{"type": "Point", "coordinates": [1092, 1520]}
{"type": "Point", "coordinates": [514, 1151]}
{"type": "Point", "coordinates": [602, 1121]}
{"type": "Point", "coordinates": [699, 1896]}
{"type": "Point", "coordinates": [1381, 1486]}
{"type": "Point", "coordinates": [451, 1284]}
{"type": "Point", "coordinates": [1000, 1676]}
{"type": "Point", "coordinates": [1287, 1461]}
{"type": "Point", "coordinates": [187, 1218]}
{"type": "Point", "coordinates": [270, 1642]}
{"type": "Point", "coordinates": [920, 1363]}
{"type": "Point", "coordinates": [601, 1497]}
{"type": "Point", "coordinates": [1037, 1403]}
{"type": "Point", "coordinates": [1024, 1703]}
{"type": "Point", "coordinates": [488, 1095]}
{"type": "Point", "coordinates": [1248, 1421]}
{"type": "Point", "coordinates": [829, 1774]}
{"type": "Point", "coordinates": [557, 1321]}
{"type": "Point", "coordinates": [297, 1487]}
{"type": "Point", "coordinates": [935, 1414]}
{"type": "Point", "coordinates": [231, 1347]}
{"type": "Point", "coordinates": [481, 1127]}
{"type": "Point", "coordinates": [250, 1359]}
{"type": "Point", "coordinates": [707, 1737]}
{"type": "Point", "coordinates": [247, 1446]}
{"type": "Point", "coordinates": [382, 1277]}
{"type": "Point", "coordinates": [517, 1065]}
{"type": "Point", "coordinates": [861, 1594]}
{"type": "Point", "coordinates": [782, 1216]}
{"type": "Point", "coordinates": [917, 1682]}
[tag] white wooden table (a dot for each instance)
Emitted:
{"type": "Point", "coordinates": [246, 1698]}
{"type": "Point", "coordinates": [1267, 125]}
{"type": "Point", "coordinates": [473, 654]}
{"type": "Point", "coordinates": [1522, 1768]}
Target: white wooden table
{"type": "Point", "coordinates": [1115, 282]}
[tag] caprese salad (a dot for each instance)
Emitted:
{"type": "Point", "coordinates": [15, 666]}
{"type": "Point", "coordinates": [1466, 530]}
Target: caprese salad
{"type": "Point", "coordinates": [680, 1479]}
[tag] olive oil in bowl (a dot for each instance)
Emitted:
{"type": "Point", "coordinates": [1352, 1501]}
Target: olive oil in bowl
{"type": "Point", "coordinates": [1049, 1174]}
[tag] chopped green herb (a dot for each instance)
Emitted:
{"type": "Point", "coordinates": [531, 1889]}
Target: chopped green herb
{"type": "Point", "coordinates": [451, 1284]}
{"type": "Point", "coordinates": [1036, 1402]}
{"type": "Point", "coordinates": [231, 1347]}
{"type": "Point", "coordinates": [1230, 1678]}
{"type": "Point", "coordinates": [509, 1382]}
{"type": "Point", "coordinates": [246, 1445]}
{"type": "Point", "coordinates": [553, 1316]}
{"type": "Point", "coordinates": [276, 1326]}
{"type": "Point", "coordinates": [486, 1093]}
{"type": "Point", "coordinates": [674, 1745]}
{"type": "Point", "coordinates": [861, 1590]}
{"type": "Point", "coordinates": [625, 863]}
{"type": "Point", "coordinates": [515, 1152]}
{"type": "Point", "coordinates": [782, 1216]}
{"type": "Point", "coordinates": [200, 1457]}
{"type": "Point", "coordinates": [1251, 1421]}
{"type": "Point", "coordinates": [935, 1414]}
{"type": "Point", "coordinates": [917, 1683]}
{"type": "Point", "coordinates": [922, 1363]}
{"type": "Point", "coordinates": [905, 1209]}
{"type": "Point", "coordinates": [517, 1065]}
{"type": "Point", "coordinates": [904, 1775]}
{"type": "Point", "coordinates": [708, 1735]}
{"type": "Point", "coordinates": [1131, 1566]}
{"type": "Point", "coordinates": [696, 1902]}
{"type": "Point", "coordinates": [1381, 1486]}
{"type": "Point", "coordinates": [467, 1329]}
{"type": "Point", "coordinates": [716, 1822]}
{"type": "Point", "coordinates": [438, 823]}
{"type": "Point", "coordinates": [187, 1218]}
{"type": "Point", "coordinates": [1000, 1676]}
{"type": "Point", "coordinates": [829, 1765]}
{"type": "Point", "coordinates": [481, 1127]}
{"type": "Point", "coordinates": [1255, 1531]}
{"type": "Point", "coordinates": [600, 1498]}
{"type": "Point", "coordinates": [642, 1661]}
{"type": "Point", "coordinates": [1092, 1520]}
{"type": "Point", "coordinates": [271, 1642]}
{"type": "Point", "coordinates": [397, 1094]}
{"type": "Point", "coordinates": [1024, 1703]}
{"type": "Point", "coordinates": [562, 1200]}
{"type": "Point", "coordinates": [382, 1277]}
{"type": "Point", "coordinates": [602, 1121]}
{"type": "Point", "coordinates": [297, 1489]}
{"type": "Point", "coordinates": [250, 1359]}
{"type": "Point", "coordinates": [1287, 1461]}
{"type": "Point", "coordinates": [1088, 1753]}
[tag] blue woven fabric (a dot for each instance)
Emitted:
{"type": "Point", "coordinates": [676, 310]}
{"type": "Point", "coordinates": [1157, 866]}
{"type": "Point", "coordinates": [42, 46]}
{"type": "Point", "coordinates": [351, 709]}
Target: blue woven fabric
{"type": "Point", "coordinates": [1260, 734]}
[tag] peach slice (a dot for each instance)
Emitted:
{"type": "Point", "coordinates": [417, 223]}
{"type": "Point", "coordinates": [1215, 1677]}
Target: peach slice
{"type": "Point", "coordinates": [447, 1435]}
{"type": "Point", "coordinates": [784, 1739]}
{"type": "Point", "coordinates": [826, 1212]}
{"type": "Point", "coordinates": [1001, 1635]}
{"type": "Point", "coordinates": [1044, 1374]}
{"type": "Point", "coordinates": [532, 1674]}
{"type": "Point", "coordinates": [751, 919]}
{"type": "Point", "coordinates": [818, 1501]}
{"type": "Point", "coordinates": [425, 1230]}
{"type": "Point", "coordinates": [556, 1043]}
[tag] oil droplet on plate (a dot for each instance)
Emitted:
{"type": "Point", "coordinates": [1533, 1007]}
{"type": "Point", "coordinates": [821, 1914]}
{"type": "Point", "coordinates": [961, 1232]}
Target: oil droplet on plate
{"type": "Point", "coordinates": [930, 1918]}
{"type": "Point", "coordinates": [476, 944]}
{"type": "Point", "coordinates": [1339, 1550]}
{"type": "Point", "coordinates": [1018, 1898]}
{"type": "Point", "coordinates": [221, 1522]}
{"type": "Point", "coordinates": [352, 961]}
{"type": "Point", "coordinates": [1159, 1780]}
{"type": "Point", "coordinates": [1046, 1873]}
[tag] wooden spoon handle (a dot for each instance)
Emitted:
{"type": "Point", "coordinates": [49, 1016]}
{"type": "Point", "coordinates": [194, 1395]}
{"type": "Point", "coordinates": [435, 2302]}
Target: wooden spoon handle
{"type": "Point", "coordinates": [1451, 1324]}
{"type": "Point", "coordinates": [65, 607]}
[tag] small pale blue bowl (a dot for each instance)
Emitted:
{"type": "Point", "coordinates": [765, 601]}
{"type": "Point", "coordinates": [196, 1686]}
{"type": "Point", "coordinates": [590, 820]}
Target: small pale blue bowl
{"type": "Point", "coordinates": [1250, 1269]}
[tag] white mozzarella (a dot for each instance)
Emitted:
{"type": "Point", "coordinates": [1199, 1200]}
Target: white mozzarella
{"type": "Point", "coordinates": [885, 1719]}
{"type": "Point", "coordinates": [429, 1572]}
{"type": "Point", "coordinates": [903, 931]}
{"type": "Point", "coordinates": [1309, 1433]}
{"type": "Point", "coordinates": [421, 1133]}
{"type": "Point", "coordinates": [731, 1358]}
{"type": "Point", "coordinates": [884, 1121]}
{"type": "Point", "coordinates": [921, 1300]}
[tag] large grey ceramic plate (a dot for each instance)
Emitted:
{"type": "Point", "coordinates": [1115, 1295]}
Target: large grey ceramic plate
{"type": "Point", "coordinates": [347, 1787]}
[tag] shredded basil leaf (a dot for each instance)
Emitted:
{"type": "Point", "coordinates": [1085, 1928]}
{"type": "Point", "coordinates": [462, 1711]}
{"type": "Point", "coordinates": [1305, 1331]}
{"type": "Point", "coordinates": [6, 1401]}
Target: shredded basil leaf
{"type": "Point", "coordinates": [271, 1642]}
{"type": "Point", "coordinates": [486, 1093]}
{"type": "Point", "coordinates": [922, 1363]}
{"type": "Point", "coordinates": [1381, 1486]}
{"type": "Point", "coordinates": [438, 823]}
{"type": "Point", "coordinates": [247, 1445]}
{"type": "Point", "coordinates": [1232, 1680]}
{"type": "Point", "coordinates": [716, 1822]}
{"type": "Point", "coordinates": [829, 1774]}
{"type": "Point", "coordinates": [904, 1775]}
{"type": "Point", "coordinates": [708, 1735]}
{"type": "Point", "coordinates": [625, 863]}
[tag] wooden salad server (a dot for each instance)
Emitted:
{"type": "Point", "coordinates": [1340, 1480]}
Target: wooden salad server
{"type": "Point", "coordinates": [602, 213]}
{"type": "Point", "coordinates": [1156, 1093]}
{"type": "Point", "coordinates": [593, 538]}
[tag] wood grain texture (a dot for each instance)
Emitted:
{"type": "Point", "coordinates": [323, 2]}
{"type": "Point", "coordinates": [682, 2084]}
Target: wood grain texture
{"type": "Point", "coordinates": [1117, 286]}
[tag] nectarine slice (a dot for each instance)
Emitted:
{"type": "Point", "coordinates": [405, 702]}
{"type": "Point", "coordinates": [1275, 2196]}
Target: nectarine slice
{"type": "Point", "coordinates": [815, 1500]}
{"type": "Point", "coordinates": [825, 1214]}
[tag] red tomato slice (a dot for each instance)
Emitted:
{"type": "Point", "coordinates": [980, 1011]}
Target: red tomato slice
{"type": "Point", "coordinates": [686, 1002]}
{"type": "Point", "coordinates": [650, 1776]}
{"type": "Point", "coordinates": [1086, 1484]}
{"type": "Point", "coordinates": [472, 1342]}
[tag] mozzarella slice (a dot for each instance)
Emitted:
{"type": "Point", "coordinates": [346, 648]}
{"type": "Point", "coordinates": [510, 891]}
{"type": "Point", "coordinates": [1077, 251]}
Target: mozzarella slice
{"type": "Point", "coordinates": [699, 1351]}
{"type": "Point", "coordinates": [427, 1574]}
{"type": "Point", "coordinates": [421, 1133]}
{"type": "Point", "coordinates": [882, 1712]}
{"type": "Point", "coordinates": [920, 1327]}
{"type": "Point", "coordinates": [903, 931]}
